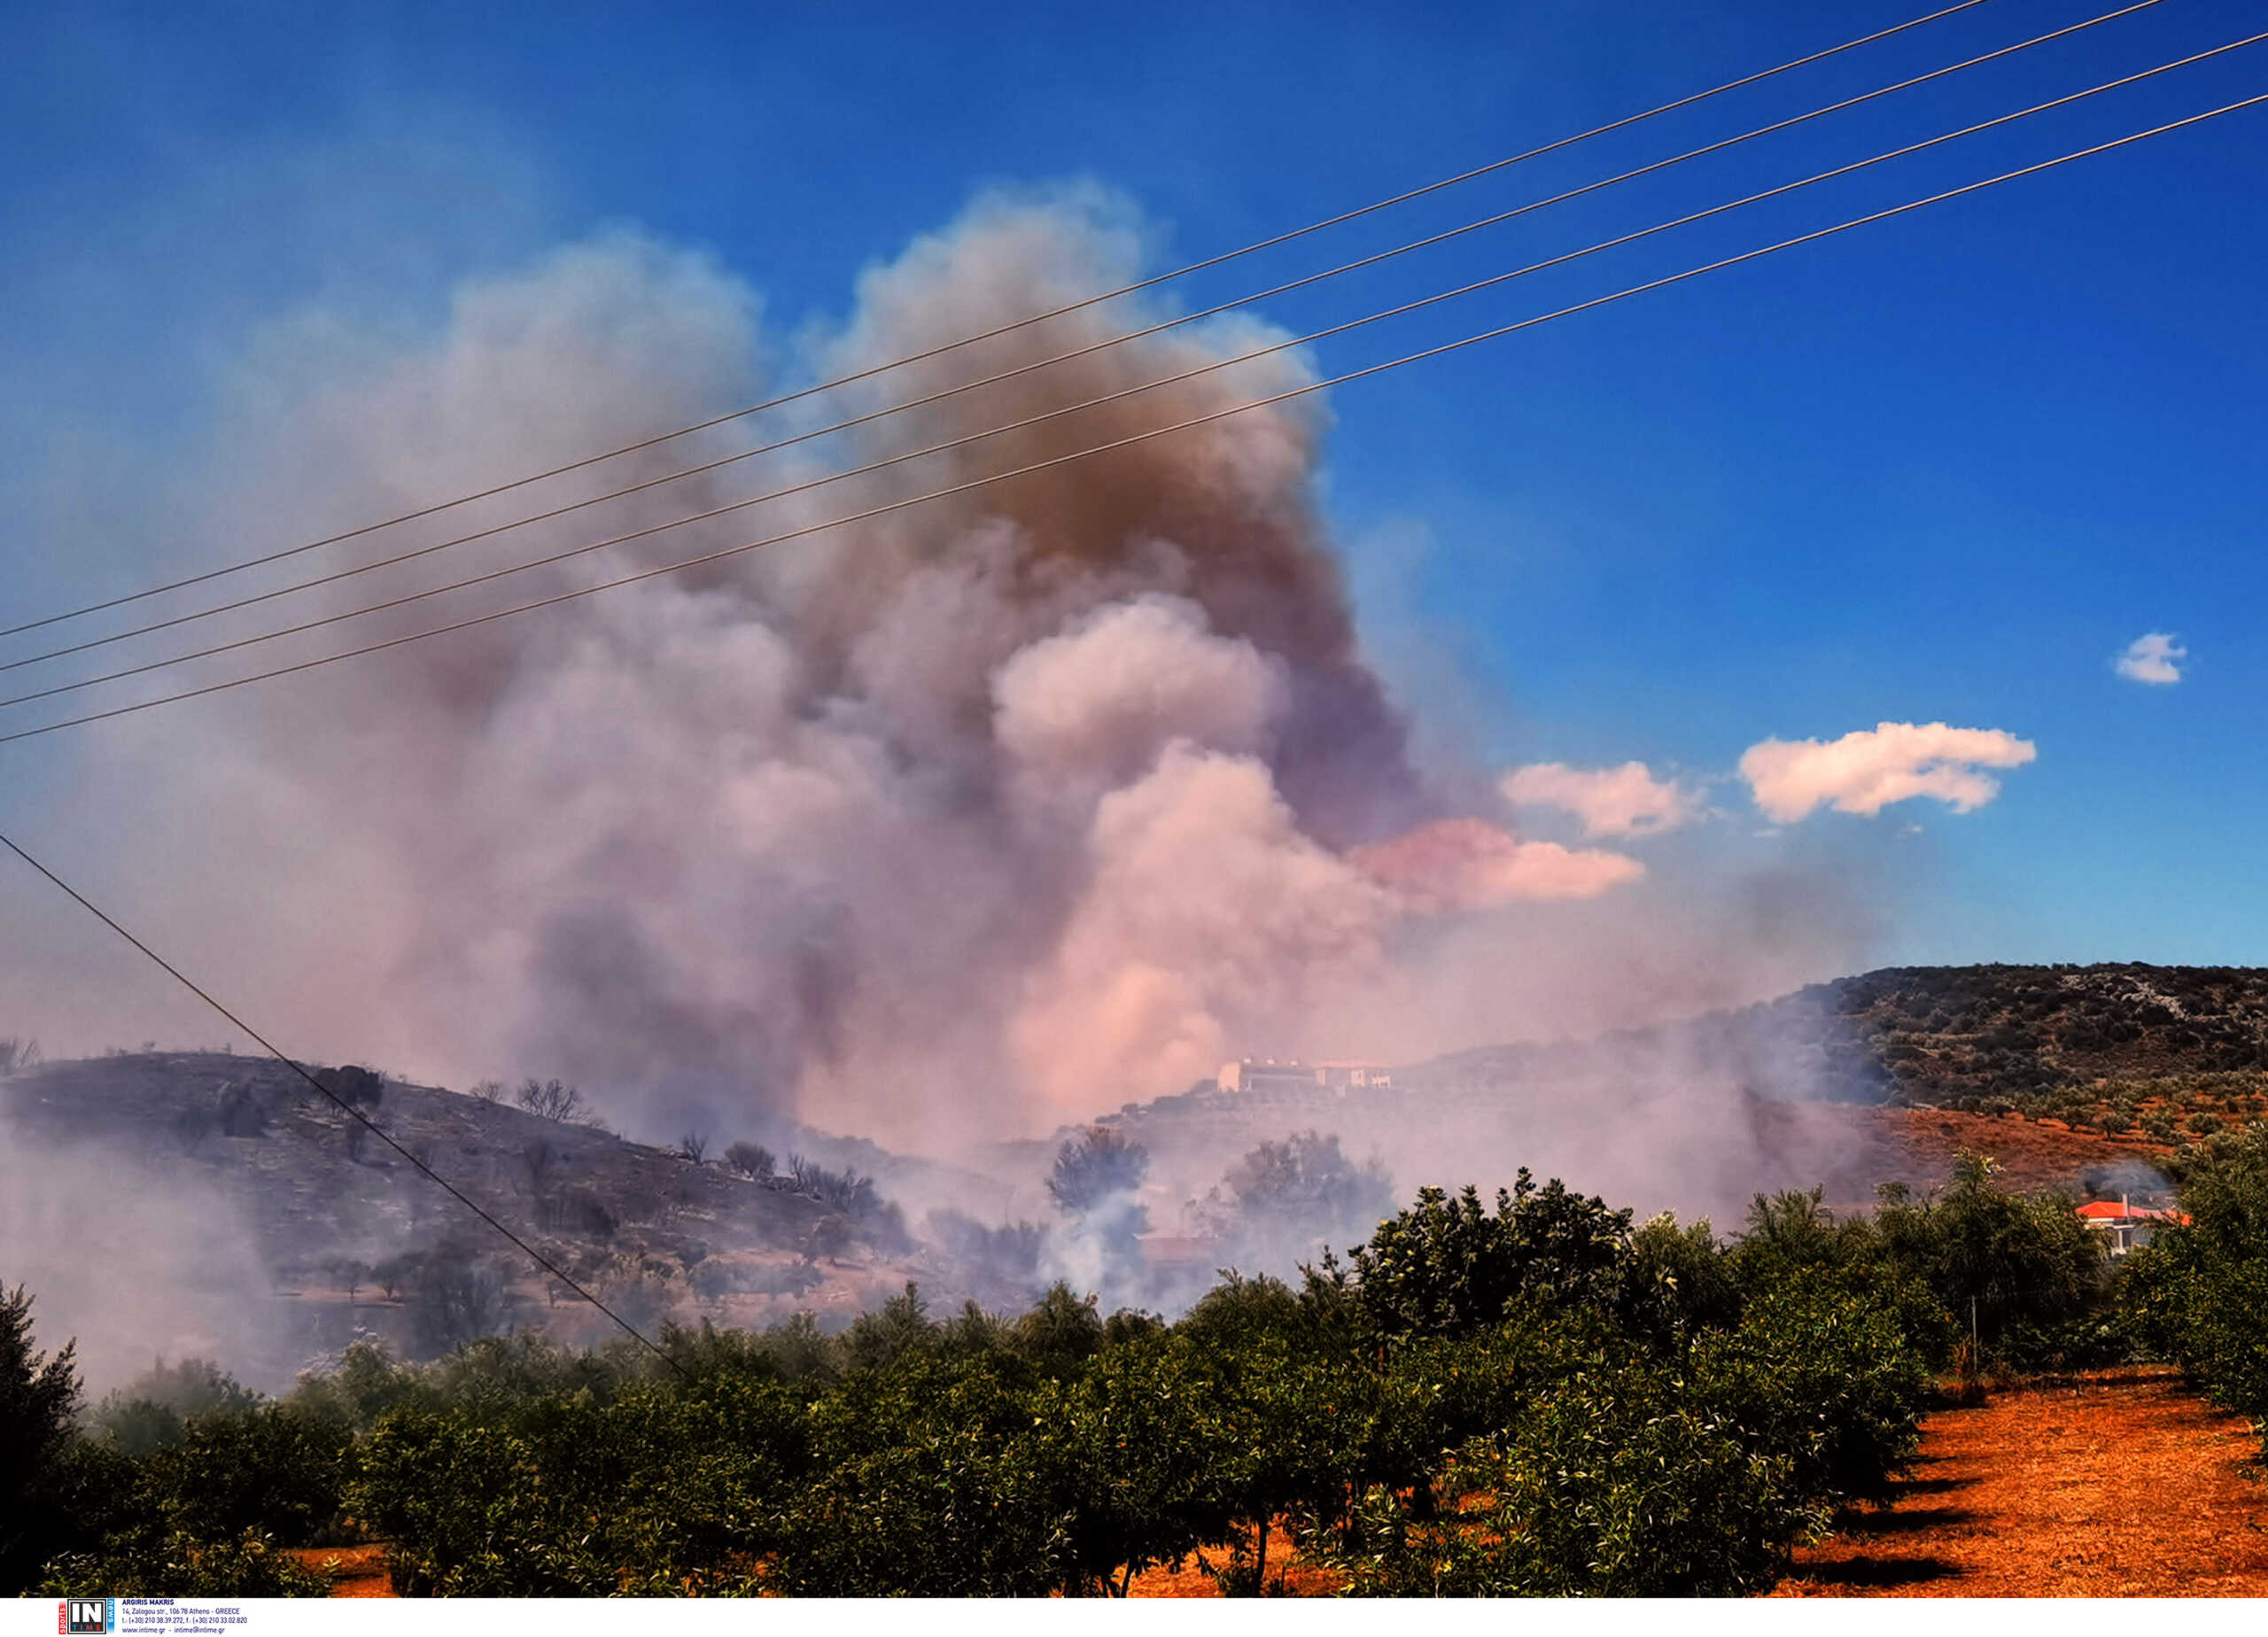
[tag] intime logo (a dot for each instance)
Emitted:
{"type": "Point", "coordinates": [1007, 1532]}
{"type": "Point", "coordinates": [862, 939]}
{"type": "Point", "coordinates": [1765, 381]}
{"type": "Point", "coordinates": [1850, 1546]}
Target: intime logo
{"type": "Point", "coordinates": [85, 1616]}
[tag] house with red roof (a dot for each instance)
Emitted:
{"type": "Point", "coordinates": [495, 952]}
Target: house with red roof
{"type": "Point", "coordinates": [2130, 1226]}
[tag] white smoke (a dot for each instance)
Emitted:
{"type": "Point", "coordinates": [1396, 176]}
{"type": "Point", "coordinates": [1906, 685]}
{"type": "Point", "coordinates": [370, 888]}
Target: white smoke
{"type": "Point", "coordinates": [128, 1258]}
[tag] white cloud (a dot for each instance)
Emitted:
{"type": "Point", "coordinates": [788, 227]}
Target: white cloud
{"type": "Point", "coordinates": [1610, 801]}
{"type": "Point", "coordinates": [1865, 771]}
{"type": "Point", "coordinates": [2153, 658]}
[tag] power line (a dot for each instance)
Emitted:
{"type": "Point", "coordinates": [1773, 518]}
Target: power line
{"type": "Point", "coordinates": [407, 598]}
{"type": "Point", "coordinates": [1375, 258]}
{"type": "Point", "coordinates": [1144, 437]}
{"type": "Point", "coordinates": [1001, 329]}
{"type": "Point", "coordinates": [451, 1189]}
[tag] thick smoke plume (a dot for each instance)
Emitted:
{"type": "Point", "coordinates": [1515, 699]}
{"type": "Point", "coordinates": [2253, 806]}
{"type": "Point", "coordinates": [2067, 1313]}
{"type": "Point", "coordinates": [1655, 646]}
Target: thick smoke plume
{"type": "Point", "coordinates": [963, 821]}
{"type": "Point", "coordinates": [970, 816]}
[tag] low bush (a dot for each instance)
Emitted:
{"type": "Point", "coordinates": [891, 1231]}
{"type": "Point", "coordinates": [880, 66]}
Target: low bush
{"type": "Point", "coordinates": [175, 1563]}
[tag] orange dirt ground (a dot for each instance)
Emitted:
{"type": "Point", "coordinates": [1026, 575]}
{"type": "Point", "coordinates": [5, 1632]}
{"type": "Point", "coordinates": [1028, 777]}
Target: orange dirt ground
{"type": "Point", "coordinates": [1299, 1580]}
{"type": "Point", "coordinates": [2120, 1484]}
{"type": "Point", "coordinates": [355, 1571]}
{"type": "Point", "coordinates": [1920, 1143]}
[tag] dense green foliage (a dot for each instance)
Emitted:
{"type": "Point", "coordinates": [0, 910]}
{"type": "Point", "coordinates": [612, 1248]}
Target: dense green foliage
{"type": "Point", "coordinates": [1980, 1276]}
{"type": "Point", "coordinates": [1540, 1398]}
{"type": "Point", "coordinates": [1449, 1268]}
{"type": "Point", "coordinates": [37, 1396]}
{"type": "Point", "coordinates": [2198, 1295]}
{"type": "Point", "coordinates": [150, 1411]}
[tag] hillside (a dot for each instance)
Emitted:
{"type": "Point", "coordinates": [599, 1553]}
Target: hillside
{"type": "Point", "coordinates": [354, 1240]}
{"type": "Point", "coordinates": [2061, 1040]}
{"type": "Point", "coordinates": [2084, 1077]}
{"type": "Point", "coordinates": [2123, 1049]}
{"type": "Point", "coordinates": [2081, 1077]}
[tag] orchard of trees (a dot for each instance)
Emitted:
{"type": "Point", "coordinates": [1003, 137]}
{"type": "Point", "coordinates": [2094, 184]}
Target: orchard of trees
{"type": "Point", "coordinates": [1531, 1396]}
{"type": "Point", "coordinates": [2199, 1295]}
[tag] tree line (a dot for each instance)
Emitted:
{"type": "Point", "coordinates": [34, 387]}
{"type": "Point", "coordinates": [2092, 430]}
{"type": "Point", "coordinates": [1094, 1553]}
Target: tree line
{"type": "Point", "coordinates": [1534, 1395]}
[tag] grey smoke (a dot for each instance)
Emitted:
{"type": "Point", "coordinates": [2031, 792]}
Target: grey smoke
{"type": "Point", "coordinates": [848, 831]}
{"type": "Point", "coordinates": [130, 1259]}
{"type": "Point", "coordinates": [959, 823]}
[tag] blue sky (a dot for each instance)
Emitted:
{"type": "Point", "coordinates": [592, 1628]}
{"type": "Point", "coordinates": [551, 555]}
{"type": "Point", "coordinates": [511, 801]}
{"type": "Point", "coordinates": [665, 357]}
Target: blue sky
{"type": "Point", "coordinates": [1943, 469]}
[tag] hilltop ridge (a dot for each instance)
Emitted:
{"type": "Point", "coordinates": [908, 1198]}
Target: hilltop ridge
{"type": "Point", "coordinates": [2037, 1040]}
{"type": "Point", "coordinates": [2078, 1076]}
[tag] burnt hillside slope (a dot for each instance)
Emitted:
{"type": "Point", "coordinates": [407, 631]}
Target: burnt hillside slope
{"type": "Point", "coordinates": [356, 1241]}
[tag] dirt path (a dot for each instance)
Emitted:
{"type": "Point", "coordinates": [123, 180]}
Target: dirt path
{"type": "Point", "coordinates": [2118, 1484]}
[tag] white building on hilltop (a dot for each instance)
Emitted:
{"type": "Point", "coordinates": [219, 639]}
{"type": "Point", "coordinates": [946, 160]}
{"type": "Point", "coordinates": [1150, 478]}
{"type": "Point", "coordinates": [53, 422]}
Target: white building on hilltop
{"type": "Point", "coordinates": [1248, 1075]}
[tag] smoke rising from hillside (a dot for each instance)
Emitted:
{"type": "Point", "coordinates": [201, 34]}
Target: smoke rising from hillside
{"type": "Point", "coordinates": [963, 821]}
{"type": "Point", "coordinates": [176, 1268]}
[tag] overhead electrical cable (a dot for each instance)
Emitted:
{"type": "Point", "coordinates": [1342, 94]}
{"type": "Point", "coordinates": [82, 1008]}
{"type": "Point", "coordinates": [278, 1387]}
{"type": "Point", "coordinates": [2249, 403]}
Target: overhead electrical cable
{"type": "Point", "coordinates": [368, 1124]}
{"type": "Point", "coordinates": [1499, 218]}
{"type": "Point", "coordinates": [1144, 436]}
{"type": "Point", "coordinates": [213, 649]}
{"type": "Point", "coordinates": [1001, 329]}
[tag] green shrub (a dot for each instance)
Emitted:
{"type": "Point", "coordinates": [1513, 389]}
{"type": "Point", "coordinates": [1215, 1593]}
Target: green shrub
{"type": "Point", "coordinates": [207, 1515]}
{"type": "Point", "coordinates": [1618, 1489]}
{"type": "Point", "coordinates": [656, 1490]}
{"type": "Point", "coordinates": [1620, 1485]}
{"type": "Point", "coordinates": [176, 1563]}
{"type": "Point", "coordinates": [39, 1397]}
{"type": "Point", "coordinates": [953, 1513]}
{"type": "Point", "coordinates": [1825, 1378]}
{"type": "Point", "coordinates": [1632, 1475]}
{"type": "Point", "coordinates": [1677, 1284]}
{"type": "Point", "coordinates": [152, 1411]}
{"type": "Point", "coordinates": [1449, 1268]}
{"type": "Point", "coordinates": [1133, 1444]}
{"type": "Point", "coordinates": [271, 1472]}
{"type": "Point", "coordinates": [928, 1477]}
{"type": "Point", "coordinates": [2002, 1263]}
{"type": "Point", "coordinates": [1061, 1330]}
{"type": "Point", "coordinates": [2196, 1295]}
